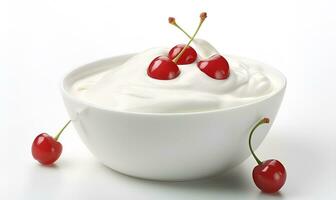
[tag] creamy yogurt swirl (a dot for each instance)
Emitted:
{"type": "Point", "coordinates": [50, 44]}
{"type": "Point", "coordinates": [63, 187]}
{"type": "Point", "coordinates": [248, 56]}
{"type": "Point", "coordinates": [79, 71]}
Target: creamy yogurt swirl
{"type": "Point", "coordinates": [128, 87]}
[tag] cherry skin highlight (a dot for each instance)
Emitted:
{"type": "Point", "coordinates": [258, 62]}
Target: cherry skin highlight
{"type": "Point", "coordinates": [189, 56]}
{"type": "Point", "coordinates": [216, 67]}
{"type": "Point", "coordinates": [269, 176]}
{"type": "Point", "coordinates": [46, 149]}
{"type": "Point", "coordinates": [163, 68]}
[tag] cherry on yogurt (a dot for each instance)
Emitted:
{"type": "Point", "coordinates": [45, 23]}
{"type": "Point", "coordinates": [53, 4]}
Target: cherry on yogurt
{"type": "Point", "coordinates": [216, 67]}
{"type": "Point", "coordinates": [163, 68]}
{"type": "Point", "coordinates": [188, 57]}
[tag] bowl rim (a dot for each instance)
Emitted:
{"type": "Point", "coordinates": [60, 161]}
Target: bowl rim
{"type": "Point", "coordinates": [72, 71]}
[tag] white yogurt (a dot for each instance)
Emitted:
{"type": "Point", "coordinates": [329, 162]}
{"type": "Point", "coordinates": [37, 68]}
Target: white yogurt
{"type": "Point", "coordinates": [128, 87]}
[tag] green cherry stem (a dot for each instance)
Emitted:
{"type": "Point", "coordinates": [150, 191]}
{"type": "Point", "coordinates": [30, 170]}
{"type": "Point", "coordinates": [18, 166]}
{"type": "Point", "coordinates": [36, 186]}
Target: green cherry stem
{"type": "Point", "coordinates": [173, 22]}
{"type": "Point", "coordinates": [60, 132]}
{"type": "Point", "coordinates": [260, 122]}
{"type": "Point", "coordinates": [202, 18]}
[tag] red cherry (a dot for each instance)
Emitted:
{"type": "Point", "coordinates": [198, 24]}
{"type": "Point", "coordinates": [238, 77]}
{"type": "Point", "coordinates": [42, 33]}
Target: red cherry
{"type": "Point", "coordinates": [163, 68]}
{"type": "Point", "coordinates": [189, 55]}
{"type": "Point", "coordinates": [46, 149]}
{"type": "Point", "coordinates": [269, 176]}
{"type": "Point", "coordinates": [216, 67]}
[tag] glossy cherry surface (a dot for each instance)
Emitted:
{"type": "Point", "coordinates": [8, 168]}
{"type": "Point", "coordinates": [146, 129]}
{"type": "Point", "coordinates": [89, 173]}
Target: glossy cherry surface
{"type": "Point", "coordinates": [163, 68]}
{"type": "Point", "coordinates": [189, 55]}
{"type": "Point", "coordinates": [269, 176]}
{"type": "Point", "coordinates": [216, 67]}
{"type": "Point", "coordinates": [46, 149]}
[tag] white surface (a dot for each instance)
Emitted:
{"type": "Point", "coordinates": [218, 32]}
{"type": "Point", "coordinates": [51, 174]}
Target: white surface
{"type": "Point", "coordinates": [41, 40]}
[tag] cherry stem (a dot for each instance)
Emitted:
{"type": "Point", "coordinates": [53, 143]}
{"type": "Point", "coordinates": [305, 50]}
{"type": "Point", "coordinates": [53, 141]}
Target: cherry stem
{"type": "Point", "coordinates": [181, 29]}
{"type": "Point", "coordinates": [191, 39]}
{"type": "Point", "coordinates": [59, 133]}
{"type": "Point", "coordinates": [262, 121]}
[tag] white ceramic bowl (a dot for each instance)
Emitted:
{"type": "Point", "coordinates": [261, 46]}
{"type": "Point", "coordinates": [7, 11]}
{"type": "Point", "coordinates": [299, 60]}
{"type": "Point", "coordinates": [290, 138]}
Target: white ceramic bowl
{"type": "Point", "coordinates": [181, 146]}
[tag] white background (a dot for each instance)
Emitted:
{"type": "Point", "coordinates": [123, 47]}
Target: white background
{"type": "Point", "coordinates": [40, 40]}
